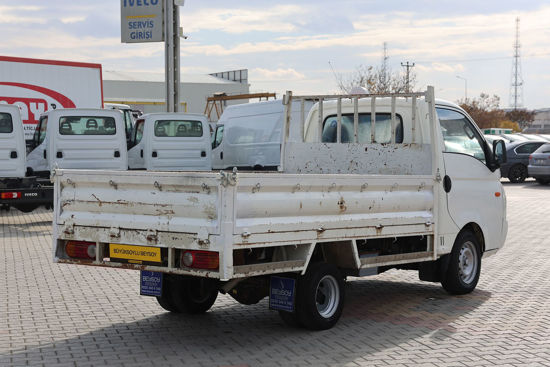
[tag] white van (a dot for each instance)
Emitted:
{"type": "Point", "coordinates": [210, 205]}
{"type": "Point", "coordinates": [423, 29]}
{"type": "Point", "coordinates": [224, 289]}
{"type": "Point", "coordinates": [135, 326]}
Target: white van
{"type": "Point", "coordinates": [171, 142]}
{"type": "Point", "coordinates": [78, 138]}
{"type": "Point", "coordinates": [12, 142]}
{"type": "Point", "coordinates": [249, 135]}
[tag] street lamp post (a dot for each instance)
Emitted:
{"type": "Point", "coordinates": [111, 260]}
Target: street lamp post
{"type": "Point", "coordinates": [465, 87]}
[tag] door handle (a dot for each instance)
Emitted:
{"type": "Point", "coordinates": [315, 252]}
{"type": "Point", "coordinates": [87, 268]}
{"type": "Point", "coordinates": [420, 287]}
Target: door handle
{"type": "Point", "coordinates": [117, 154]}
{"type": "Point", "coordinates": [221, 155]}
{"type": "Point", "coordinates": [447, 183]}
{"type": "Point", "coordinates": [141, 153]}
{"type": "Point", "coordinates": [13, 155]}
{"type": "Point", "coordinates": [203, 154]}
{"type": "Point", "coordinates": [44, 154]}
{"type": "Point", "coordinates": [59, 155]}
{"type": "Point", "coordinates": [154, 154]}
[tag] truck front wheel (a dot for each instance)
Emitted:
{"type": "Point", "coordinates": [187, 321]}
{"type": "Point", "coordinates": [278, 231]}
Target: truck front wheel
{"type": "Point", "coordinates": [320, 297]}
{"type": "Point", "coordinates": [464, 265]}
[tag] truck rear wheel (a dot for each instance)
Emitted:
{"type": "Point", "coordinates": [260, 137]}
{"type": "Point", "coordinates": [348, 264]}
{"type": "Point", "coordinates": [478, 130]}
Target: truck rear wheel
{"type": "Point", "coordinates": [192, 295]}
{"type": "Point", "coordinates": [464, 265]}
{"type": "Point", "coordinates": [165, 300]}
{"type": "Point", "coordinates": [320, 297]}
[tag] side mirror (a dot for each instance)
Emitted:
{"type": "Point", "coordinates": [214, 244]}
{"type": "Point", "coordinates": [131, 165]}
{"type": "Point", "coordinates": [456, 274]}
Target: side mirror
{"type": "Point", "coordinates": [499, 153]}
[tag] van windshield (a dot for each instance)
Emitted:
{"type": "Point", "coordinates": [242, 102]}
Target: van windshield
{"type": "Point", "coordinates": [87, 125]}
{"type": "Point", "coordinates": [178, 128]}
{"type": "Point", "coordinates": [6, 124]}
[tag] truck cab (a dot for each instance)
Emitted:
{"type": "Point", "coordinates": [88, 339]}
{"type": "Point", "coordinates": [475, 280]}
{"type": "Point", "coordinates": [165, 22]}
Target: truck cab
{"type": "Point", "coordinates": [78, 138]}
{"type": "Point", "coordinates": [171, 142]}
{"type": "Point", "coordinates": [17, 190]}
{"type": "Point", "coordinates": [12, 142]}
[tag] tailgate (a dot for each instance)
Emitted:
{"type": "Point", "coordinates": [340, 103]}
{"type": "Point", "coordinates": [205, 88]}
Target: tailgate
{"type": "Point", "coordinates": [182, 202]}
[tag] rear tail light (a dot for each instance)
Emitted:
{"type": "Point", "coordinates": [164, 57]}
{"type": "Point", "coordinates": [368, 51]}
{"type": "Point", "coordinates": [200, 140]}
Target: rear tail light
{"type": "Point", "coordinates": [11, 195]}
{"type": "Point", "coordinates": [200, 259]}
{"type": "Point", "coordinates": [530, 156]}
{"type": "Point", "coordinates": [81, 250]}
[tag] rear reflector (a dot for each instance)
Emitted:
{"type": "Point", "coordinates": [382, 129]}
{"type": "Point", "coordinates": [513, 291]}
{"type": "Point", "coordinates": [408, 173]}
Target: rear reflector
{"type": "Point", "coordinates": [11, 195]}
{"type": "Point", "coordinates": [200, 259]}
{"type": "Point", "coordinates": [80, 250]}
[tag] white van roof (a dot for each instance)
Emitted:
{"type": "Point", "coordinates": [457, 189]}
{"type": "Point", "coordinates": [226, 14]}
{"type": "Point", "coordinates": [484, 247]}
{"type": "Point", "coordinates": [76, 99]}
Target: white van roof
{"type": "Point", "coordinates": [253, 108]}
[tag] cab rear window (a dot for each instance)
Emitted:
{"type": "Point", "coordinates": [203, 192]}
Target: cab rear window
{"type": "Point", "coordinates": [178, 128]}
{"type": "Point", "coordinates": [6, 123]}
{"type": "Point", "coordinates": [382, 128]}
{"type": "Point", "coordinates": [87, 125]}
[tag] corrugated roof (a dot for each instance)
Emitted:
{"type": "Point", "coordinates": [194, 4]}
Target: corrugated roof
{"type": "Point", "coordinates": [115, 75]}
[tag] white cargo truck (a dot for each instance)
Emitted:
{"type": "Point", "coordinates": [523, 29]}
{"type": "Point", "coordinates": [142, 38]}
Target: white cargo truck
{"type": "Point", "coordinates": [37, 86]}
{"type": "Point", "coordinates": [368, 183]}
{"type": "Point", "coordinates": [171, 142]}
{"type": "Point", "coordinates": [17, 190]}
{"type": "Point", "coordinates": [78, 138]}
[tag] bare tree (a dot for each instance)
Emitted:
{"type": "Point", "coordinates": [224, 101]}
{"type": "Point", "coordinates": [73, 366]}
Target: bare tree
{"type": "Point", "coordinates": [381, 79]}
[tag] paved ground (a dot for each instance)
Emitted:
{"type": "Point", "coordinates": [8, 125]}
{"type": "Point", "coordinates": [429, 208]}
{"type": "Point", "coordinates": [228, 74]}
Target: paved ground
{"type": "Point", "coordinates": [69, 315]}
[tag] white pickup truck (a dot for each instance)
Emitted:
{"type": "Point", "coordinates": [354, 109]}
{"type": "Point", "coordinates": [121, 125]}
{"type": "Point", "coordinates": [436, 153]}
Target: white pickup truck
{"type": "Point", "coordinates": [366, 184]}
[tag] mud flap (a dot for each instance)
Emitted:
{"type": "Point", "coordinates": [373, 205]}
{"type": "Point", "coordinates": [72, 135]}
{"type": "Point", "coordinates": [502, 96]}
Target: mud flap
{"type": "Point", "coordinates": [282, 293]}
{"type": "Point", "coordinates": [150, 283]}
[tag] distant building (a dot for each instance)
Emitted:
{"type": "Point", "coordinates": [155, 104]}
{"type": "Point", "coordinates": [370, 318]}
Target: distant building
{"type": "Point", "coordinates": [145, 91]}
{"type": "Point", "coordinates": [541, 123]}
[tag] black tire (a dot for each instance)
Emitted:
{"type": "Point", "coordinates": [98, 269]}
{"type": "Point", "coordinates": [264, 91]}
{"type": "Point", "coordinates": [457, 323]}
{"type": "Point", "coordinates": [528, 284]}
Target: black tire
{"type": "Point", "coordinates": [165, 301]}
{"type": "Point", "coordinates": [320, 297]}
{"type": "Point", "coordinates": [543, 181]}
{"type": "Point", "coordinates": [192, 295]}
{"type": "Point", "coordinates": [26, 208]}
{"type": "Point", "coordinates": [464, 265]}
{"type": "Point", "coordinates": [517, 173]}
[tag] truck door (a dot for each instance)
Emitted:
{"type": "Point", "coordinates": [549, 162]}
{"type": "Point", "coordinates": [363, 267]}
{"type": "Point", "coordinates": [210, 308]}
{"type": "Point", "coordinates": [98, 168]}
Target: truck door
{"type": "Point", "coordinates": [217, 148]}
{"type": "Point", "coordinates": [180, 144]}
{"type": "Point", "coordinates": [37, 159]}
{"type": "Point", "coordinates": [137, 147]}
{"type": "Point", "coordinates": [12, 145]}
{"type": "Point", "coordinates": [474, 193]}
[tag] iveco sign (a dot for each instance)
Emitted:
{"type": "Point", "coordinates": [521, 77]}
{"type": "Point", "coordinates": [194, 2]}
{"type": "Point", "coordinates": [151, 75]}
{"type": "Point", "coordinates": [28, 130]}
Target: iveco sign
{"type": "Point", "coordinates": [141, 21]}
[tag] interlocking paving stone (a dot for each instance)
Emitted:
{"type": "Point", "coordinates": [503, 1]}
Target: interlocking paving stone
{"type": "Point", "coordinates": [66, 315]}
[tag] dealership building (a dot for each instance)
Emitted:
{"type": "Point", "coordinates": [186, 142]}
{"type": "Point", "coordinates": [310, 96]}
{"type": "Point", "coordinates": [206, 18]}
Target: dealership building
{"type": "Point", "coordinates": [146, 91]}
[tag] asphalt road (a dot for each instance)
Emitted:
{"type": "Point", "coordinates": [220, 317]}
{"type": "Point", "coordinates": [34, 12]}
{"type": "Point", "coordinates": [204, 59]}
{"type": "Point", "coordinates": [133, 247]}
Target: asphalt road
{"type": "Point", "coordinates": [57, 314]}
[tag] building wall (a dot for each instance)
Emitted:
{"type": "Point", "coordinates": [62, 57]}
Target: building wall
{"type": "Point", "coordinates": [148, 96]}
{"type": "Point", "coordinates": [541, 123]}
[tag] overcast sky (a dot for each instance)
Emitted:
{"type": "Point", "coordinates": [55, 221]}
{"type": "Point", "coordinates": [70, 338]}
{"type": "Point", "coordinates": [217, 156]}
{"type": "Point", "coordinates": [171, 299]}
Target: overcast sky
{"type": "Point", "coordinates": [288, 45]}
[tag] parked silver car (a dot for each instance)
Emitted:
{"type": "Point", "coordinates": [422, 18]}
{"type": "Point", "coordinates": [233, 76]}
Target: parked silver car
{"type": "Point", "coordinates": [539, 164]}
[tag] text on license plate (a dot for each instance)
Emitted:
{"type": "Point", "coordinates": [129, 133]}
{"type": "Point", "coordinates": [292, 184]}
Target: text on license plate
{"type": "Point", "coordinates": [135, 254]}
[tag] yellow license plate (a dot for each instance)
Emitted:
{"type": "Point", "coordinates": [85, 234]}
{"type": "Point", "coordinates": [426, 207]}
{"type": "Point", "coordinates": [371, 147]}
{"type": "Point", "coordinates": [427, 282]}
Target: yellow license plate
{"type": "Point", "coordinates": [135, 254]}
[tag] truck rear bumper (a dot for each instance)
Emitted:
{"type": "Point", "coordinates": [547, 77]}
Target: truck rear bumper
{"type": "Point", "coordinates": [37, 196]}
